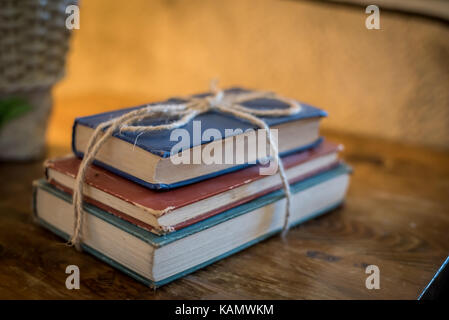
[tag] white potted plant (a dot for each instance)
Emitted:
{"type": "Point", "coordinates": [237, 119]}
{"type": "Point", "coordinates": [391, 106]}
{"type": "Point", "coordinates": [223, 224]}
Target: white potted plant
{"type": "Point", "coordinates": [34, 42]}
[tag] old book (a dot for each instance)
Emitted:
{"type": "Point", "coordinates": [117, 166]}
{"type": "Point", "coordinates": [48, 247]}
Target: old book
{"type": "Point", "coordinates": [146, 158]}
{"type": "Point", "coordinates": [156, 260]}
{"type": "Point", "coordinates": [170, 210]}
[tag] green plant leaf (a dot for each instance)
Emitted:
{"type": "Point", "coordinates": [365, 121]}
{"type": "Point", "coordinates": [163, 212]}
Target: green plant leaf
{"type": "Point", "coordinates": [11, 108]}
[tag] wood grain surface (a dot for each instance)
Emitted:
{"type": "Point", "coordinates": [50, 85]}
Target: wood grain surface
{"type": "Point", "coordinates": [396, 216]}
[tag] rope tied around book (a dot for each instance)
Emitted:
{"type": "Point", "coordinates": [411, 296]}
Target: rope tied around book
{"type": "Point", "coordinates": [230, 103]}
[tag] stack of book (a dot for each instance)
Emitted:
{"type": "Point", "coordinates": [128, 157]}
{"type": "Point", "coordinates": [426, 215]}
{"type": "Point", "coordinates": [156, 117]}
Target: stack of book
{"type": "Point", "coordinates": [157, 218]}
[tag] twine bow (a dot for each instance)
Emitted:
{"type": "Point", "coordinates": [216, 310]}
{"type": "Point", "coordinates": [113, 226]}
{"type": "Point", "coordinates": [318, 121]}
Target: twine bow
{"type": "Point", "coordinates": [230, 103]}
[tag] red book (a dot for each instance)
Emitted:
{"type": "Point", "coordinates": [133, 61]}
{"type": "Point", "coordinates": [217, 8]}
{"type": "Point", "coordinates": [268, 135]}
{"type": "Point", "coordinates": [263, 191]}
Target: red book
{"type": "Point", "coordinates": [165, 211]}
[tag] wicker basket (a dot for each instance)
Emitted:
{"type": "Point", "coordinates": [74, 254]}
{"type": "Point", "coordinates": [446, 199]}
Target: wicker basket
{"type": "Point", "coordinates": [34, 42]}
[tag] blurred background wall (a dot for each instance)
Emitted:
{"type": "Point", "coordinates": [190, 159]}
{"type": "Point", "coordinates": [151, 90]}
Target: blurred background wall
{"type": "Point", "coordinates": [392, 83]}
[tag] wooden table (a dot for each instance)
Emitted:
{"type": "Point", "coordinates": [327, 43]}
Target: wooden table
{"type": "Point", "coordinates": [396, 216]}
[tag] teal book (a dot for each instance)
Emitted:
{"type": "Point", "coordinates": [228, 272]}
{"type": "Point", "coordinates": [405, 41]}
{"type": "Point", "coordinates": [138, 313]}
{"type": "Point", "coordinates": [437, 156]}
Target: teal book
{"type": "Point", "coordinates": [157, 260]}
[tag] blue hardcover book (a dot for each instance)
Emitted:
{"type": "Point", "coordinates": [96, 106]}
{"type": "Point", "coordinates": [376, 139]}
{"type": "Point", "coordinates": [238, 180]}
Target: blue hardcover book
{"type": "Point", "coordinates": [147, 158]}
{"type": "Point", "coordinates": [157, 260]}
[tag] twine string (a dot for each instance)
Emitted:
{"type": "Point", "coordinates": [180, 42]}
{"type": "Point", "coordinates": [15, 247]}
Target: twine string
{"type": "Point", "coordinates": [230, 103]}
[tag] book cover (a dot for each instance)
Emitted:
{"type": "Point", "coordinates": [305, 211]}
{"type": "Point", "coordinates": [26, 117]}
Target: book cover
{"type": "Point", "coordinates": [158, 142]}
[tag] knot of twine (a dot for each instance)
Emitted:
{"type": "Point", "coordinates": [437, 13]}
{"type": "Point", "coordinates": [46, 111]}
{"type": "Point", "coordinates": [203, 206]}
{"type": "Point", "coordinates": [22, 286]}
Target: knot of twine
{"type": "Point", "coordinates": [230, 103]}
